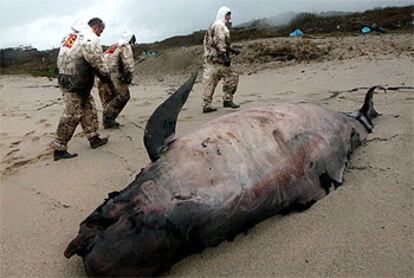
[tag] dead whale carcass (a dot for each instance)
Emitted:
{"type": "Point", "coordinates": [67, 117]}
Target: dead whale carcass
{"type": "Point", "coordinates": [210, 185]}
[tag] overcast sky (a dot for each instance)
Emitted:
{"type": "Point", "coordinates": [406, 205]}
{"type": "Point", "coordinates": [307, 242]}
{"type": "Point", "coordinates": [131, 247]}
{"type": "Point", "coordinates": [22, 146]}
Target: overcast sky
{"type": "Point", "coordinates": [43, 23]}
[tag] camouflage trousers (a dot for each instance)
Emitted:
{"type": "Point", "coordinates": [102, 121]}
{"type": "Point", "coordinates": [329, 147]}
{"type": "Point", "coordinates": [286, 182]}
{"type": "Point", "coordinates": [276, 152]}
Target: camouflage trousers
{"type": "Point", "coordinates": [212, 74]}
{"type": "Point", "coordinates": [113, 105]}
{"type": "Point", "coordinates": [78, 109]}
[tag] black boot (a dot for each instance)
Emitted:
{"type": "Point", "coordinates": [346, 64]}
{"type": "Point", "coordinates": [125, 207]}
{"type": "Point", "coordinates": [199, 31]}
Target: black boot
{"type": "Point", "coordinates": [207, 108]}
{"type": "Point", "coordinates": [230, 104]}
{"type": "Point", "coordinates": [110, 124]}
{"type": "Point", "coordinates": [96, 142]}
{"type": "Point", "coordinates": [63, 155]}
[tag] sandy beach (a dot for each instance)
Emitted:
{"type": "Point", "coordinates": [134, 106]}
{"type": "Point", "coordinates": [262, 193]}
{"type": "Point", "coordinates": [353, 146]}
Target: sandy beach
{"type": "Point", "coordinates": [364, 229]}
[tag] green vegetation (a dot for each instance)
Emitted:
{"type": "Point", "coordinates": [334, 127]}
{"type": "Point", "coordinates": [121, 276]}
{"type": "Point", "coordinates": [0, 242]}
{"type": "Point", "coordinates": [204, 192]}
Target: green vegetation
{"type": "Point", "coordinates": [48, 71]}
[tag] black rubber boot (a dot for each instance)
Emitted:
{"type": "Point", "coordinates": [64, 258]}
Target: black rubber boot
{"type": "Point", "coordinates": [96, 142]}
{"type": "Point", "coordinates": [209, 108]}
{"type": "Point", "coordinates": [63, 155]}
{"type": "Point", "coordinates": [230, 104]}
{"type": "Point", "coordinates": [110, 124]}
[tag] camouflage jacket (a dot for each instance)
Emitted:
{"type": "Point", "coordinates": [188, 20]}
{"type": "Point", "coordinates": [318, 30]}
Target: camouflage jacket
{"type": "Point", "coordinates": [80, 58]}
{"type": "Point", "coordinates": [216, 42]}
{"type": "Point", "coordinates": [120, 60]}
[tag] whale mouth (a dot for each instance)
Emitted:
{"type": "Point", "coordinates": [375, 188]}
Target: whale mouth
{"type": "Point", "coordinates": [74, 247]}
{"type": "Point", "coordinates": [83, 242]}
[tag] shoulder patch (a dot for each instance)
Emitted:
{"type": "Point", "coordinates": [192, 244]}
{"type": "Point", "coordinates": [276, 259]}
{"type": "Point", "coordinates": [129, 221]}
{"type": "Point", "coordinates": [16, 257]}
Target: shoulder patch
{"type": "Point", "coordinates": [70, 40]}
{"type": "Point", "coordinates": [111, 50]}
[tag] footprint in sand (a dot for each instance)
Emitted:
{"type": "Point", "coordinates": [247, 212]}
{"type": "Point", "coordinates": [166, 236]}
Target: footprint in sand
{"type": "Point", "coordinates": [246, 101]}
{"type": "Point", "coordinates": [27, 116]}
{"type": "Point", "coordinates": [35, 139]}
{"type": "Point", "coordinates": [12, 159]}
{"type": "Point", "coordinates": [42, 121]}
{"type": "Point", "coordinates": [145, 103]}
{"type": "Point", "coordinates": [12, 152]}
{"type": "Point", "coordinates": [286, 93]}
{"type": "Point", "coordinates": [48, 125]}
{"type": "Point", "coordinates": [15, 144]}
{"type": "Point", "coordinates": [29, 133]}
{"type": "Point", "coordinates": [4, 134]}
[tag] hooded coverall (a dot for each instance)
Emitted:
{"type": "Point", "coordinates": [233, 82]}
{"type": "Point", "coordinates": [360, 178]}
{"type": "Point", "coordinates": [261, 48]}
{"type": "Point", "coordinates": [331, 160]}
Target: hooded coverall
{"type": "Point", "coordinates": [216, 44]}
{"type": "Point", "coordinates": [120, 60]}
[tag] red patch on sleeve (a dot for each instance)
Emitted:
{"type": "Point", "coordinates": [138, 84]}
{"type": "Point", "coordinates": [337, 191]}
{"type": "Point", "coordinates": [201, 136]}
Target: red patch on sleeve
{"type": "Point", "coordinates": [111, 49]}
{"type": "Point", "coordinates": [70, 40]}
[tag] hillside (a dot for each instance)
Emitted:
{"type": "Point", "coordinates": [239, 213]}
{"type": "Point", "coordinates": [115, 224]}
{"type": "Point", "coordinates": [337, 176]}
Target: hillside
{"type": "Point", "coordinates": [393, 19]}
{"type": "Point", "coordinates": [279, 20]}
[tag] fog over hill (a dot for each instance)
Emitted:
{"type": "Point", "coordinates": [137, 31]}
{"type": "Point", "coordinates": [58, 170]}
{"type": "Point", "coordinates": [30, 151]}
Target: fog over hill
{"type": "Point", "coordinates": [286, 18]}
{"type": "Point", "coordinates": [281, 19]}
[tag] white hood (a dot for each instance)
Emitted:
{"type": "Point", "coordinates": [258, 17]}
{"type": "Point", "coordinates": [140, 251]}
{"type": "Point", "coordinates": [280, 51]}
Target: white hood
{"type": "Point", "coordinates": [220, 19]}
{"type": "Point", "coordinates": [125, 37]}
{"type": "Point", "coordinates": [89, 35]}
{"type": "Point", "coordinates": [221, 13]}
{"type": "Point", "coordinates": [79, 25]}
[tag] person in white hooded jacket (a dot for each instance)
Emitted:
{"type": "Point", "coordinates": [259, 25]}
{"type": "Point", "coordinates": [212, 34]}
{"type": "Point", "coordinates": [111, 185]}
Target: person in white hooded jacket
{"type": "Point", "coordinates": [217, 62]}
{"type": "Point", "coordinates": [120, 60]}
